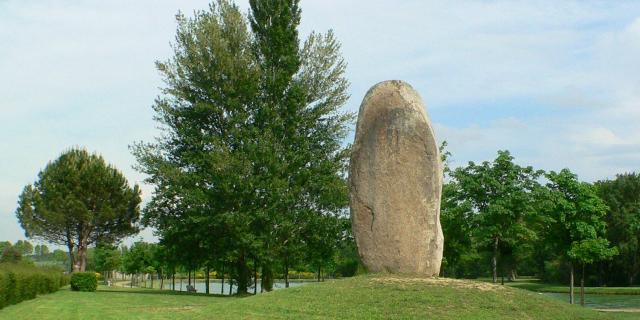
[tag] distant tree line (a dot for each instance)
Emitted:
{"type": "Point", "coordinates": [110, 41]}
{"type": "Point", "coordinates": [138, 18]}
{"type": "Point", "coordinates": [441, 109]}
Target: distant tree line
{"type": "Point", "coordinates": [153, 265]}
{"type": "Point", "coordinates": [501, 219]}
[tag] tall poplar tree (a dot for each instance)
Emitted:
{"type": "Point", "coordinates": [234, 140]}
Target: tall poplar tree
{"type": "Point", "coordinates": [252, 145]}
{"type": "Point", "coordinates": [303, 89]}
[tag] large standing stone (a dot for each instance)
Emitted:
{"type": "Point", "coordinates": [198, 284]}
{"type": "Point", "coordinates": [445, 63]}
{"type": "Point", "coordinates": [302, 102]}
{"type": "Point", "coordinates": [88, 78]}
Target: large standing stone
{"type": "Point", "coordinates": [396, 181]}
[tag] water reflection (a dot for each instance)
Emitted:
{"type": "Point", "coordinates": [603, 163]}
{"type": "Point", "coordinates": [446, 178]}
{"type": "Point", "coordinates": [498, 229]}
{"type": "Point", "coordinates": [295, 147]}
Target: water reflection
{"type": "Point", "coordinates": [602, 301]}
{"type": "Point", "coordinates": [216, 287]}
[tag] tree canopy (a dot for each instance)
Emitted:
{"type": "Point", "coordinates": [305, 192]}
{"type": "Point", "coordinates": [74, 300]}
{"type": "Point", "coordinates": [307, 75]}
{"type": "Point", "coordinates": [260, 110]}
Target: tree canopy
{"type": "Point", "coordinates": [79, 200]}
{"type": "Point", "coordinates": [622, 196]}
{"type": "Point", "coordinates": [497, 199]}
{"type": "Point", "coordinates": [251, 160]}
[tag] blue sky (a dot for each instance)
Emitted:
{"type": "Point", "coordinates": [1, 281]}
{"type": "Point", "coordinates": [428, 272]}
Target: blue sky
{"type": "Point", "coordinates": [555, 82]}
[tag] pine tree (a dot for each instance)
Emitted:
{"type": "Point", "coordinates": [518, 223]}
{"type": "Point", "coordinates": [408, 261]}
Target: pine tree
{"type": "Point", "coordinates": [79, 200]}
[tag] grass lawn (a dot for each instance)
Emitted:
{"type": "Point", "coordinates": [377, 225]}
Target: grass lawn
{"type": "Point", "coordinates": [538, 286]}
{"type": "Point", "coordinates": [364, 297]}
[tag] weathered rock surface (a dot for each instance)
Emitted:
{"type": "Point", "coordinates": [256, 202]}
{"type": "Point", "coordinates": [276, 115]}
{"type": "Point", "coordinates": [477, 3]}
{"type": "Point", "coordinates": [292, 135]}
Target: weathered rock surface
{"type": "Point", "coordinates": [395, 177]}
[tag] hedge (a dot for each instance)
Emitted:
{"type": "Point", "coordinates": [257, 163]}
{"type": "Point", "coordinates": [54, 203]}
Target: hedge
{"type": "Point", "coordinates": [84, 281]}
{"type": "Point", "coordinates": [21, 281]}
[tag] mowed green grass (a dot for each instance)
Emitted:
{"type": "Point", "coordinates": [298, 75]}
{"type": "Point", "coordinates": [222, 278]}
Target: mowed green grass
{"type": "Point", "coordinates": [544, 287]}
{"type": "Point", "coordinates": [364, 297]}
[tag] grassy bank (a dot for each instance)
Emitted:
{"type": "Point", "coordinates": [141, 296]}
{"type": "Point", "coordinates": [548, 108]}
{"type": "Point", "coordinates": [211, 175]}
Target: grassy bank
{"type": "Point", "coordinates": [537, 286]}
{"type": "Point", "coordinates": [368, 297]}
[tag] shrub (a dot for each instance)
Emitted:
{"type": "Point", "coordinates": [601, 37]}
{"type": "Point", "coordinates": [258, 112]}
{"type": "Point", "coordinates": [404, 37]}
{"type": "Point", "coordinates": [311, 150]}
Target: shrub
{"type": "Point", "coordinates": [84, 281]}
{"type": "Point", "coordinates": [21, 281]}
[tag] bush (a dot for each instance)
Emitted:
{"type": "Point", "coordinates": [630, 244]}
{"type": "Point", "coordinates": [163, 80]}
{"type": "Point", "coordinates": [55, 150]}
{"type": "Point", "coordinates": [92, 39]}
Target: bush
{"type": "Point", "coordinates": [21, 281]}
{"type": "Point", "coordinates": [84, 281]}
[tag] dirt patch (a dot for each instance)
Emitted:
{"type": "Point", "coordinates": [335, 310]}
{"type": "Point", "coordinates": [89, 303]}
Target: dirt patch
{"type": "Point", "coordinates": [442, 282]}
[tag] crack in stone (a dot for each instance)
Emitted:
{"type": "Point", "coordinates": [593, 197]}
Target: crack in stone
{"type": "Point", "coordinates": [373, 215]}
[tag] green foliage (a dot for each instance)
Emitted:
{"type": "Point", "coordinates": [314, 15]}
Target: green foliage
{"type": "Point", "coordinates": [4, 244]}
{"type": "Point", "coordinates": [107, 258]}
{"type": "Point", "coordinates": [141, 257]}
{"type": "Point", "coordinates": [24, 247]}
{"type": "Point", "coordinates": [346, 260]}
{"type": "Point", "coordinates": [456, 217]}
{"type": "Point", "coordinates": [576, 218]}
{"type": "Point", "coordinates": [588, 251]}
{"type": "Point", "coordinates": [41, 250]}
{"type": "Point", "coordinates": [541, 229]}
{"type": "Point", "coordinates": [622, 196]}
{"type": "Point", "coordinates": [60, 256]}
{"type": "Point", "coordinates": [10, 255]}
{"type": "Point", "coordinates": [84, 281]}
{"type": "Point", "coordinates": [251, 169]}
{"type": "Point", "coordinates": [491, 203]}
{"type": "Point", "coordinates": [20, 281]}
{"type": "Point", "coordinates": [78, 200]}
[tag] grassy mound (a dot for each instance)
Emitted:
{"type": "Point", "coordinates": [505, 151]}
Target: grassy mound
{"type": "Point", "coordinates": [365, 297]}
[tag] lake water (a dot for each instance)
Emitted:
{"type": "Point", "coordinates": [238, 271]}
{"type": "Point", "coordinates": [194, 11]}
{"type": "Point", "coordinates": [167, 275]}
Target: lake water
{"type": "Point", "coordinates": [216, 286]}
{"type": "Point", "coordinates": [602, 301]}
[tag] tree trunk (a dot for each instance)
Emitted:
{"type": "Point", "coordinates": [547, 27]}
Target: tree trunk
{"type": "Point", "coordinates": [319, 269]}
{"type": "Point", "coordinates": [82, 256]}
{"type": "Point", "coordinates": [286, 271]}
{"type": "Point", "coordinates": [70, 247]}
{"type": "Point", "coordinates": [161, 281]}
{"type": "Point", "coordinates": [72, 265]}
{"type": "Point", "coordinates": [189, 277]}
{"type": "Point", "coordinates": [286, 276]}
{"type": "Point", "coordinates": [634, 269]}
{"type": "Point", "coordinates": [571, 283]}
{"type": "Point", "coordinates": [82, 253]}
{"type": "Point", "coordinates": [173, 280]}
{"type": "Point", "coordinates": [582, 287]}
{"type": "Point", "coordinates": [243, 274]}
{"type": "Point", "coordinates": [494, 261]}
{"type": "Point", "coordinates": [255, 276]}
{"type": "Point", "coordinates": [267, 277]}
{"type": "Point", "coordinates": [151, 276]}
{"type": "Point", "coordinates": [206, 280]}
{"type": "Point", "coordinates": [222, 286]}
